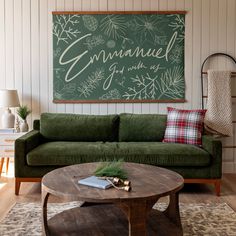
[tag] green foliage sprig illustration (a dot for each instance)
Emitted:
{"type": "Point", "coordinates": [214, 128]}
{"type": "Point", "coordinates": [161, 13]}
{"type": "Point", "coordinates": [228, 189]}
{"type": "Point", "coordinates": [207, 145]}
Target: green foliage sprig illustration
{"type": "Point", "coordinates": [94, 41]}
{"type": "Point", "coordinates": [113, 26]}
{"type": "Point", "coordinates": [89, 85]}
{"type": "Point", "coordinates": [145, 88]}
{"type": "Point", "coordinates": [178, 25]}
{"type": "Point", "coordinates": [63, 27]}
{"type": "Point", "coordinates": [111, 95]}
{"type": "Point", "coordinates": [171, 83]}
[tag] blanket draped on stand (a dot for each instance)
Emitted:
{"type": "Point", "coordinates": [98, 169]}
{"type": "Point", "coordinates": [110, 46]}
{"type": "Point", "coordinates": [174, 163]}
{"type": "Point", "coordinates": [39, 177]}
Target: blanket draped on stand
{"type": "Point", "coordinates": [218, 119]}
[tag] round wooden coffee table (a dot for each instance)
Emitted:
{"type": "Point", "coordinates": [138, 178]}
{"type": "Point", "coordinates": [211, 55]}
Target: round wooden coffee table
{"type": "Point", "coordinates": [113, 212]}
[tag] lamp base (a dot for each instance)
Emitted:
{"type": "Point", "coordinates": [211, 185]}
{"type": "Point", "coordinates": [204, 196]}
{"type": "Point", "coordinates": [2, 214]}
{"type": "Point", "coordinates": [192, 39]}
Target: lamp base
{"type": "Point", "coordinates": [8, 119]}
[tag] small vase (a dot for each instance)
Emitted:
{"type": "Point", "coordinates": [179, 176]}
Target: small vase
{"type": "Point", "coordinates": [24, 126]}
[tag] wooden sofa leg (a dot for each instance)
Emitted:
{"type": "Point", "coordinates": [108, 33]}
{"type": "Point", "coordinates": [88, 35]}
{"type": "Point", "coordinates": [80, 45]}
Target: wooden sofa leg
{"type": "Point", "coordinates": [217, 187]}
{"type": "Point", "coordinates": [19, 180]}
{"type": "Point", "coordinates": [17, 186]}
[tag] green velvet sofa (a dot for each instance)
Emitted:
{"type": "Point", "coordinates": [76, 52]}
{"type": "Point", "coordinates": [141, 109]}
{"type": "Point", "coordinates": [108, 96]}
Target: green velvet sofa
{"type": "Point", "coordinates": [65, 139]}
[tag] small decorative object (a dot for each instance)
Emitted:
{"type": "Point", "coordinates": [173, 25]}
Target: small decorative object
{"type": "Point", "coordinates": [111, 169]}
{"type": "Point", "coordinates": [184, 126]}
{"type": "Point", "coordinates": [8, 98]}
{"type": "Point", "coordinates": [118, 183]}
{"type": "Point", "coordinates": [114, 174]}
{"type": "Point", "coordinates": [23, 112]}
{"type": "Point", "coordinates": [17, 125]}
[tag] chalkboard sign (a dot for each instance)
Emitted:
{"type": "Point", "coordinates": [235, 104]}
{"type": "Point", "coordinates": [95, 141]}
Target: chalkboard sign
{"type": "Point", "coordinates": [118, 57]}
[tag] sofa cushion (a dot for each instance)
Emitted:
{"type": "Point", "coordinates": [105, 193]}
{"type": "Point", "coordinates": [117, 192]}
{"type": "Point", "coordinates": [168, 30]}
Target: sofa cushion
{"type": "Point", "coordinates": [154, 153]}
{"type": "Point", "coordinates": [184, 126]}
{"type": "Point", "coordinates": [142, 127]}
{"type": "Point", "coordinates": [72, 127]}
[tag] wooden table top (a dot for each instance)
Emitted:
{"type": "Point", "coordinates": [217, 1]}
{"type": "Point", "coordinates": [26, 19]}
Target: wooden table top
{"type": "Point", "coordinates": [147, 181]}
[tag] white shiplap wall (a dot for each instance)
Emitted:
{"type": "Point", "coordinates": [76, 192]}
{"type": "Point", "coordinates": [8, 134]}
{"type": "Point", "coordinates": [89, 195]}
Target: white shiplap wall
{"type": "Point", "coordinates": [26, 52]}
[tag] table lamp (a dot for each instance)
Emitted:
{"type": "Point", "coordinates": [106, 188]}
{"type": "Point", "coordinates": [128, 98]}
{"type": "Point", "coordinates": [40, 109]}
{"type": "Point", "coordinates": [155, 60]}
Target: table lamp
{"type": "Point", "coordinates": [8, 98]}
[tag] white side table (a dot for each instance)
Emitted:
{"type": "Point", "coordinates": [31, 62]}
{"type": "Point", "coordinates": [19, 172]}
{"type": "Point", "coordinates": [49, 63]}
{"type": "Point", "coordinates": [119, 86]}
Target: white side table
{"type": "Point", "coordinates": [7, 148]}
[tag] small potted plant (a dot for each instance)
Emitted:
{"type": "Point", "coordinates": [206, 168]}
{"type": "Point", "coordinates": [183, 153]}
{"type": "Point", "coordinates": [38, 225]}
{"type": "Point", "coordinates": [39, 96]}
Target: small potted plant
{"type": "Point", "coordinates": [23, 112]}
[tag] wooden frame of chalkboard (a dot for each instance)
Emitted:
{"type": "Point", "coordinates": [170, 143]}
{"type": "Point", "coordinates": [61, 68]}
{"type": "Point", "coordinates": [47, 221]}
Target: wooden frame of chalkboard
{"type": "Point", "coordinates": [147, 32]}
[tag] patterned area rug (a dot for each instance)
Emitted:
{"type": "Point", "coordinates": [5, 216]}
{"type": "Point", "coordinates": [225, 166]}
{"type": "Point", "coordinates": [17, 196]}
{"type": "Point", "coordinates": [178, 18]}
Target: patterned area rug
{"type": "Point", "coordinates": [197, 219]}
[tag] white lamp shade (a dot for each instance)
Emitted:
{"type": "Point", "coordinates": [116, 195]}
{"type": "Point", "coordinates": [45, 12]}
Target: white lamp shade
{"type": "Point", "coordinates": [9, 98]}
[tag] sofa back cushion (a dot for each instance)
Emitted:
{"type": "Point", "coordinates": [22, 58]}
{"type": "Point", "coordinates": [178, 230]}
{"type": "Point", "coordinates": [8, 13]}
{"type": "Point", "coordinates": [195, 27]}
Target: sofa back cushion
{"type": "Point", "coordinates": [142, 127]}
{"type": "Point", "coordinates": [73, 127]}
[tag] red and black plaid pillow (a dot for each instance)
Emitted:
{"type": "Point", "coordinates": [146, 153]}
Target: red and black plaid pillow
{"type": "Point", "coordinates": [184, 126]}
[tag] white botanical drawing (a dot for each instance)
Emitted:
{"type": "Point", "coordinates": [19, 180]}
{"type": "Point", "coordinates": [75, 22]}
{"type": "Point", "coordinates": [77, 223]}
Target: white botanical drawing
{"type": "Point", "coordinates": [176, 54]}
{"type": "Point", "coordinates": [171, 83]}
{"type": "Point", "coordinates": [161, 40]}
{"type": "Point", "coordinates": [69, 88]}
{"type": "Point", "coordinates": [63, 91]}
{"type": "Point", "coordinates": [145, 87]}
{"type": "Point", "coordinates": [89, 85]}
{"type": "Point", "coordinates": [64, 27]}
{"type": "Point", "coordinates": [58, 72]}
{"type": "Point", "coordinates": [146, 27]}
{"type": "Point", "coordinates": [111, 43]}
{"type": "Point", "coordinates": [121, 81]}
{"type": "Point", "coordinates": [56, 53]}
{"type": "Point", "coordinates": [126, 41]}
{"type": "Point", "coordinates": [178, 25]}
{"type": "Point", "coordinates": [114, 26]}
{"type": "Point", "coordinates": [57, 95]}
{"type": "Point", "coordinates": [112, 94]}
{"type": "Point", "coordinates": [90, 22]}
{"type": "Point", "coordinates": [94, 41]}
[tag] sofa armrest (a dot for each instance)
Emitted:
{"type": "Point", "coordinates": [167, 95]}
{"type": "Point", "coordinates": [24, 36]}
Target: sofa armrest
{"type": "Point", "coordinates": [214, 147]}
{"type": "Point", "coordinates": [211, 145]}
{"type": "Point", "coordinates": [23, 145]}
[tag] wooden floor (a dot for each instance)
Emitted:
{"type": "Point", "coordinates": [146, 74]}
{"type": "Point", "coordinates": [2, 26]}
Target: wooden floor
{"type": "Point", "coordinates": [191, 193]}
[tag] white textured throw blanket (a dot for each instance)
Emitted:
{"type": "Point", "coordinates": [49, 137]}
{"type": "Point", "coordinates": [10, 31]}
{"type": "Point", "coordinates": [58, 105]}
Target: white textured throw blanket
{"type": "Point", "coordinates": [218, 119]}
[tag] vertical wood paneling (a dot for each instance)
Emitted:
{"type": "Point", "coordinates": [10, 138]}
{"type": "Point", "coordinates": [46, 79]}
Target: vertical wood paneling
{"type": "Point", "coordinates": [9, 20]}
{"type": "Point", "coordinates": [2, 45]}
{"type": "Point", "coordinates": [43, 38]}
{"type": "Point", "coordinates": [154, 4]}
{"type": "Point", "coordinates": [26, 59]}
{"type": "Point", "coordinates": [205, 48]}
{"type": "Point", "coordinates": [196, 90]}
{"type": "Point", "coordinates": [189, 54]}
{"type": "Point", "coordinates": [27, 54]}
{"type": "Point", "coordinates": [51, 7]}
{"type": "Point", "coordinates": [230, 36]}
{"type": "Point", "coordinates": [18, 51]}
{"type": "Point", "coordinates": [214, 11]}
{"type": "Point", "coordinates": [120, 4]}
{"type": "Point", "coordinates": [35, 53]}
{"type": "Point", "coordinates": [103, 5]}
{"type": "Point", "coordinates": [222, 32]}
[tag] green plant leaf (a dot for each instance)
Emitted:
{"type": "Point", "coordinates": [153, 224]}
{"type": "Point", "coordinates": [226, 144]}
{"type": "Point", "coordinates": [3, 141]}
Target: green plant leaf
{"type": "Point", "coordinates": [23, 112]}
{"type": "Point", "coordinates": [111, 169]}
